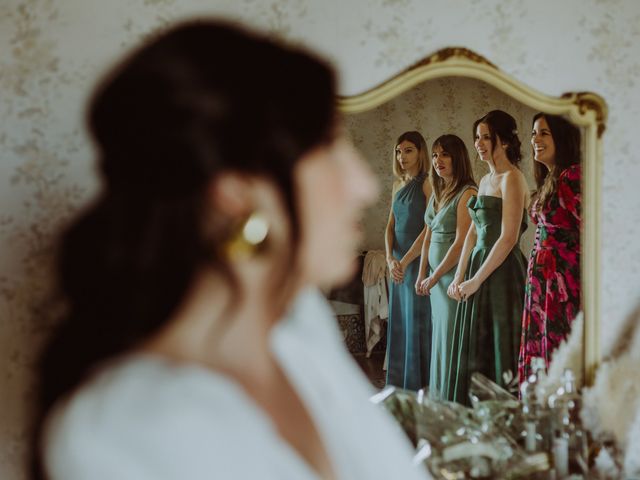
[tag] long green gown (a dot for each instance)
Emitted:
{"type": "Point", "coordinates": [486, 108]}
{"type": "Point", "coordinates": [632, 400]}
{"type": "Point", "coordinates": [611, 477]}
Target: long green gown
{"type": "Point", "coordinates": [443, 225]}
{"type": "Point", "coordinates": [487, 326]}
{"type": "Point", "coordinates": [409, 329]}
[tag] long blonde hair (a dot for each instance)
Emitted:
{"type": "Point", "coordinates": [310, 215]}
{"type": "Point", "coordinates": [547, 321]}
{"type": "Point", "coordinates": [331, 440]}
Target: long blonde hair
{"type": "Point", "coordinates": [423, 154]}
{"type": "Point", "coordinates": [461, 166]}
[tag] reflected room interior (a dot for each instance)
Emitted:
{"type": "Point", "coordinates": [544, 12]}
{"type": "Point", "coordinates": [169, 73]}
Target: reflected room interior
{"type": "Point", "coordinates": [447, 105]}
{"type": "Point", "coordinates": [445, 94]}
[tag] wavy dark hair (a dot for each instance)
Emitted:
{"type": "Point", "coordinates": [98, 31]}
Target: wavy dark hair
{"type": "Point", "coordinates": [460, 164]}
{"type": "Point", "coordinates": [198, 100]}
{"type": "Point", "coordinates": [502, 125]}
{"type": "Point", "coordinates": [567, 140]}
{"type": "Point", "coordinates": [423, 153]}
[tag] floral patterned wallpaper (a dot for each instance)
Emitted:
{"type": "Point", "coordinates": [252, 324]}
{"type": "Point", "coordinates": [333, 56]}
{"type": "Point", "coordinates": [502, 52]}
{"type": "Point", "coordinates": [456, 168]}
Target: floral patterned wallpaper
{"type": "Point", "coordinates": [436, 107]}
{"type": "Point", "coordinates": [52, 51]}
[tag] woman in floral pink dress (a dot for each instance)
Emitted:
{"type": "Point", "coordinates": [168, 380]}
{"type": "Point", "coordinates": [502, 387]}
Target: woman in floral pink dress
{"type": "Point", "coordinates": [552, 292]}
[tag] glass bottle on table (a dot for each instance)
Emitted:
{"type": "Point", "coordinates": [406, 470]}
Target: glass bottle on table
{"type": "Point", "coordinates": [570, 446]}
{"type": "Point", "coordinates": [535, 412]}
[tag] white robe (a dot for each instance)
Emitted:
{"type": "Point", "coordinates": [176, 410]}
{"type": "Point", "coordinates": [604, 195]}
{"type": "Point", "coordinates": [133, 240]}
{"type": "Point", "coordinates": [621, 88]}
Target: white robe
{"type": "Point", "coordinates": [144, 418]}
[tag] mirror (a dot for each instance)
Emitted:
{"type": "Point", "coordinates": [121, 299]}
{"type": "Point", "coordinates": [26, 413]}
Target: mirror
{"type": "Point", "coordinates": [444, 94]}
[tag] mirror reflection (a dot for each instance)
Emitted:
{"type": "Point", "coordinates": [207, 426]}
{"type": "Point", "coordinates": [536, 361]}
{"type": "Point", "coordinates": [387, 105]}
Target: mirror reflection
{"type": "Point", "coordinates": [479, 226]}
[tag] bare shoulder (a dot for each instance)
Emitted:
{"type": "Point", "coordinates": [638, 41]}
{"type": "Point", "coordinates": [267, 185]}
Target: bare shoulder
{"type": "Point", "coordinates": [514, 178]}
{"type": "Point", "coordinates": [136, 409]}
{"type": "Point", "coordinates": [395, 187]}
{"type": "Point", "coordinates": [514, 175]}
{"type": "Point", "coordinates": [466, 195]}
{"type": "Point", "coordinates": [514, 185]}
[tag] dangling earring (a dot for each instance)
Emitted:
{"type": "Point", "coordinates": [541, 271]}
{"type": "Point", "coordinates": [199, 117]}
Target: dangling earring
{"type": "Point", "coordinates": [249, 238]}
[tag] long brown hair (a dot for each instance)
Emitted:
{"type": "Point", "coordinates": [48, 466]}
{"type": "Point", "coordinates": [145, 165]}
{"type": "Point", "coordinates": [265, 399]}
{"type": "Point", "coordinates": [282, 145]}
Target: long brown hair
{"type": "Point", "coordinates": [423, 153]}
{"type": "Point", "coordinates": [461, 166]}
{"type": "Point", "coordinates": [566, 138]}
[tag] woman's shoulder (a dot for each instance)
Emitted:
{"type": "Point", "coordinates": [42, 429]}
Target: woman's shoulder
{"type": "Point", "coordinates": [514, 174]}
{"type": "Point", "coordinates": [143, 387]}
{"type": "Point", "coordinates": [468, 189]}
{"type": "Point", "coordinates": [571, 173]}
{"type": "Point", "coordinates": [138, 411]}
{"type": "Point", "coordinates": [514, 178]}
{"type": "Point", "coordinates": [466, 192]}
{"type": "Point", "coordinates": [396, 185]}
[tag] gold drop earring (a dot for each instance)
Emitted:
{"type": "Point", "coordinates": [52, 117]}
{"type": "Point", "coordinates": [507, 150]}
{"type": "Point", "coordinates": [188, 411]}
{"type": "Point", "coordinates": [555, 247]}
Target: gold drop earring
{"type": "Point", "coordinates": [249, 238]}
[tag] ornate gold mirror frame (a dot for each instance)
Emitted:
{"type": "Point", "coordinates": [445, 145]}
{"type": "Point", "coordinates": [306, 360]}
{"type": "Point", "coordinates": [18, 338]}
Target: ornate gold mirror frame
{"type": "Point", "coordinates": [587, 110]}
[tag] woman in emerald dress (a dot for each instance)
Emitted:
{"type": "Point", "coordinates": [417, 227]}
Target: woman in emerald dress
{"type": "Point", "coordinates": [552, 293]}
{"type": "Point", "coordinates": [490, 278]}
{"type": "Point", "coordinates": [409, 330]}
{"type": "Point", "coordinates": [447, 221]}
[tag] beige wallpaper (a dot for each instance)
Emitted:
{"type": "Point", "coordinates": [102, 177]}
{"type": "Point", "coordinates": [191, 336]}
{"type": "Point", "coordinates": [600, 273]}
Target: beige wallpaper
{"type": "Point", "coordinates": [51, 52]}
{"type": "Point", "coordinates": [434, 108]}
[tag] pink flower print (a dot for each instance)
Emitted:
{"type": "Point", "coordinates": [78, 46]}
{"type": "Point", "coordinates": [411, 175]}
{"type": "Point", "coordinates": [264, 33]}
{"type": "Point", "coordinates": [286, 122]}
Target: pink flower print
{"type": "Point", "coordinates": [539, 316]}
{"type": "Point", "coordinates": [562, 288]}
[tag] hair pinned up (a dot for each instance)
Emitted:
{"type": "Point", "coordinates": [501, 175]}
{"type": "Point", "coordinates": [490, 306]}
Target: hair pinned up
{"type": "Point", "coordinates": [502, 125]}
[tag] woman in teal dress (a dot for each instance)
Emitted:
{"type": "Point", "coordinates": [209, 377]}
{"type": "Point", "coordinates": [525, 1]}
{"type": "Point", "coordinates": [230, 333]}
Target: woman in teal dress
{"type": "Point", "coordinates": [447, 221]}
{"type": "Point", "coordinates": [409, 329]}
{"type": "Point", "coordinates": [490, 278]}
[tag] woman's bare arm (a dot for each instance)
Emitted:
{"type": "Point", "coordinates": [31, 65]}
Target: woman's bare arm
{"type": "Point", "coordinates": [467, 248]}
{"type": "Point", "coordinates": [416, 246]}
{"type": "Point", "coordinates": [463, 220]}
{"type": "Point", "coordinates": [424, 259]}
{"type": "Point", "coordinates": [395, 269]}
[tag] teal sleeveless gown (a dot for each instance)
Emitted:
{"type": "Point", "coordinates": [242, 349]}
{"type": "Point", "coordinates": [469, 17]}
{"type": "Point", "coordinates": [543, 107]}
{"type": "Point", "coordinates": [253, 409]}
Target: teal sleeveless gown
{"type": "Point", "coordinates": [443, 225]}
{"type": "Point", "coordinates": [409, 329]}
{"type": "Point", "coordinates": [486, 330]}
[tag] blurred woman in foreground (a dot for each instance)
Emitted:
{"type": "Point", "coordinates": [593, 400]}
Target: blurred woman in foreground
{"type": "Point", "coordinates": [195, 342]}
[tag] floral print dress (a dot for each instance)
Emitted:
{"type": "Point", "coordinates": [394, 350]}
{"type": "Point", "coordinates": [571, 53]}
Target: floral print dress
{"type": "Point", "coordinates": [552, 292]}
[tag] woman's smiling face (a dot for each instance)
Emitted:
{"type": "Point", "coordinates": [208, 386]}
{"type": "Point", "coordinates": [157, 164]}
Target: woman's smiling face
{"type": "Point", "coordinates": [483, 143]}
{"type": "Point", "coordinates": [544, 148]}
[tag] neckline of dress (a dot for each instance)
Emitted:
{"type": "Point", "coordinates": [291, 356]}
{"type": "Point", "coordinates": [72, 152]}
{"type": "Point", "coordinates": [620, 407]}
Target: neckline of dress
{"type": "Point", "coordinates": [416, 179]}
{"type": "Point", "coordinates": [459, 194]}
{"type": "Point", "coordinates": [441, 209]}
{"type": "Point", "coordinates": [420, 176]}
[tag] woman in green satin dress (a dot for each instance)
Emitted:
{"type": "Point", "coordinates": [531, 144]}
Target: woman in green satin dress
{"type": "Point", "coordinates": [490, 278]}
{"type": "Point", "coordinates": [447, 221]}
